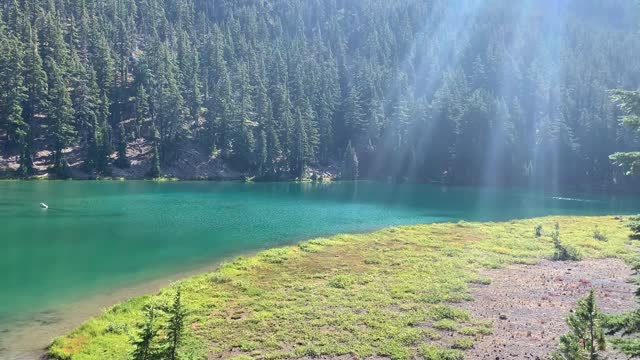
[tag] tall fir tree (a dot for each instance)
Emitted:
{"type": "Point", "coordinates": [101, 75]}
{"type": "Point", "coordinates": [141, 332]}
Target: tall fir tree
{"type": "Point", "coordinates": [35, 102]}
{"type": "Point", "coordinates": [175, 327]}
{"type": "Point", "coordinates": [350, 163]}
{"type": "Point", "coordinates": [629, 102]}
{"type": "Point", "coordinates": [12, 95]}
{"type": "Point", "coordinates": [60, 119]}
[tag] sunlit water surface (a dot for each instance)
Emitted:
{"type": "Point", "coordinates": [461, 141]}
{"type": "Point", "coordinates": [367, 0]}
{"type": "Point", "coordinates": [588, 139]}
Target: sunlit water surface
{"type": "Point", "coordinates": [99, 237]}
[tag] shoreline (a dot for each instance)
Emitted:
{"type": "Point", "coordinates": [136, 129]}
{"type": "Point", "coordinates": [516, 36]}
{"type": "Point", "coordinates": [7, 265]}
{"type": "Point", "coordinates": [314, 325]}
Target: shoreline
{"type": "Point", "coordinates": [250, 180]}
{"type": "Point", "coordinates": [47, 324]}
{"type": "Point", "coordinates": [336, 255]}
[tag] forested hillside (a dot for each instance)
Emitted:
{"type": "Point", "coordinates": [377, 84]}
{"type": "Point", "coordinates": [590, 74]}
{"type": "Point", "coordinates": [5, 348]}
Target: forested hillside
{"type": "Point", "coordinates": [465, 92]}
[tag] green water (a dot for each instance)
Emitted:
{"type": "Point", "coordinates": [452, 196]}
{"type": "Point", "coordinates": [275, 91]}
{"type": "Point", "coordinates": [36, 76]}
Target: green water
{"type": "Point", "coordinates": [98, 236]}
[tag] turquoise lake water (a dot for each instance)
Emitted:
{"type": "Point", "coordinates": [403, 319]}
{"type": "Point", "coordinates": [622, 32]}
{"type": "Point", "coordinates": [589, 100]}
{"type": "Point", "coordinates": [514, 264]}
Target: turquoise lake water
{"type": "Point", "coordinates": [98, 236]}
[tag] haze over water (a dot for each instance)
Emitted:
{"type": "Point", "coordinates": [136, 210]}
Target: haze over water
{"type": "Point", "coordinates": [100, 236]}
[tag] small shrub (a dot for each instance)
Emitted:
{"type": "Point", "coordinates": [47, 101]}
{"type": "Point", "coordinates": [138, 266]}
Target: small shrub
{"type": "Point", "coordinates": [462, 343]}
{"type": "Point", "coordinates": [275, 256]}
{"type": "Point", "coordinates": [341, 281]}
{"type": "Point", "coordinates": [246, 345]}
{"type": "Point", "coordinates": [431, 352]}
{"type": "Point", "coordinates": [599, 235]}
{"type": "Point", "coordinates": [309, 247]}
{"type": "Point", "coordinates": [481, 280]}
{"type": "Point", "coordinates": [446, 324]}
{"type": "Point", "coordinates": [462, 224]}
{"type": "Point", "coordinates": [442, 312]}
{"type": "Point", "coordinates": [218, 278]}
{"type": "Point", "coordinates": [372, 261]}
{"type": "Point", "coordinates": [538, 230]}
{"type": "Point", "coordinates": [117, 328]}
{"type": "Point", "coordinates": [307, 351]}
{"type": "Point", "coordinates": [563, 252]}
{"type": "Point", "coordinates": [395, 351]}
{"type": "Point", "coordinates": [240, 285]}
{"type": "Point", "coordinates": [451, 252]}
{"type": "Point", "coordinates": [241, 357]}
{"type": "Point", "coordinates": [471, 331]}
{"type": "Point", "coordinates": [586, 337]}
{"type": "Point", "coordinates": [431, 334]}
{"type": "Point", "coordinates": [635, 227]}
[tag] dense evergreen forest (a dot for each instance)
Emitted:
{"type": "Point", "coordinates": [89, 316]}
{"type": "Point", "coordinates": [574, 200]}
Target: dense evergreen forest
{"type": "Point", "coordinates": [467, 92]}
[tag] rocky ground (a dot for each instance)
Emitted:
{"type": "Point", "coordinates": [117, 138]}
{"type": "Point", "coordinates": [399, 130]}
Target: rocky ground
{"type": "Point", "coordinates": [528, 304]}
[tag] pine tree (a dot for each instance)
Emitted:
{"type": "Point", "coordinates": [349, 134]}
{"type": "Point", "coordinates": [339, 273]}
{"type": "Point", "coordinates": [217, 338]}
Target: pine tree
{"type": "Point", "coordinates": [283, 119]}
{"type": "Point", "coordinates": [189, 66]}
{"type": "Point", "coordinates": [629, 102]}
{"type": "Point", "coordinates": [141, 109]}
{"type": "Point", "coordinates": [261, 153]}
{"type": "Point", "coordinates": [144, 347]}
{"type": "Point", "coordinates": [273, 153]}
{"type": "Point", "coordinates": [12, 95]}
{"type": "Point", "coordinates": [310, 130]}
{"type": "Point", "coordinates": [354, 117]}
{"type": "Point", "coordinates": [169, 106]}
{"type": "Point", "coordinates": [586, 337]}
{"type": "Point", "coordinates": [102, 136]}
{"type": "Point", "coordinates": [220, 107]}
{"type": "Point", "coordinates": [326, 110]}
{"type": "Point", "coordinates": [122, 161]}
{"type": "Point", "coordinates": [401, 115]}
{"type": "Point", "coordinates": [244, 145]}
{"type": "Point", "coordinates": [298, 145]}
{"type": "Point", "coordinates": [350, 163]}
{"type": "Point", "coordinates": [35, 102]}
{"type": "Point", "coordinates": [175, 328]}
{"type": "Point", "coordinates": [60, 119]}
{"type": "Point", "coordinates": [155, 161]}
{"type": "Point", "coordinates": [86, 104]}
{"type": "Point", "coordinates": [472, 138]}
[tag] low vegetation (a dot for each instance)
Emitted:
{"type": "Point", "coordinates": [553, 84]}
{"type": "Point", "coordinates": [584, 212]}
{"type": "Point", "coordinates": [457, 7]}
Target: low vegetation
{"type": "Point", "coordinates": [634, 225]}
{"type": "Point", "coordinates": [625, 328]}
{"type": "Point", "coordinates": [563, 252]}
{"type": "Point", "coordinates": [392, 293]}
{"type": "Point", "coordinates": [599, 235]}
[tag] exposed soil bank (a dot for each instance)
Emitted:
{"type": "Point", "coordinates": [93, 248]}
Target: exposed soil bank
{"type": "Point", "coordinates": [192, 164]}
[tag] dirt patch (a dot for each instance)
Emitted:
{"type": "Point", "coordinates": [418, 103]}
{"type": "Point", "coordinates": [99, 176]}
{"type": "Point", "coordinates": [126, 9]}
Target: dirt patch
{"type": "Point", "coordinates": [528, 304]}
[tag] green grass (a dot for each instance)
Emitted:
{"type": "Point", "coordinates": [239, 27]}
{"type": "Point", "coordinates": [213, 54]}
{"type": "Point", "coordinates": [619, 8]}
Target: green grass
{"type": "Point", "coordinates": [391, 293]}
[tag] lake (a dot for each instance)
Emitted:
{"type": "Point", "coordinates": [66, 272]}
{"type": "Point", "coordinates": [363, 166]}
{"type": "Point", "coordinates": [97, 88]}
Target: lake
{"type": "Point", "coordinates": [98, 238]}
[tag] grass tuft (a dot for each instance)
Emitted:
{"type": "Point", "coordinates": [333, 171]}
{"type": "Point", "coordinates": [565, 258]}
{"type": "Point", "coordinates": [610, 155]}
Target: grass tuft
{"type": "Point", "coordinates": [341, 281]}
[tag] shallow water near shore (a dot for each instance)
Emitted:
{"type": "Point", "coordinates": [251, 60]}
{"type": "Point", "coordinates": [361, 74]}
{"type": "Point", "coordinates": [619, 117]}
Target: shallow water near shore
{"type": "Point", "coordinates": [101, 242]}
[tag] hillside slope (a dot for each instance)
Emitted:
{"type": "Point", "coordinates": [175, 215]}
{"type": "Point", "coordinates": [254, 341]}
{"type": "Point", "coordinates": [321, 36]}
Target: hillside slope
{"type": "Point", "coordinates": [480, 92]}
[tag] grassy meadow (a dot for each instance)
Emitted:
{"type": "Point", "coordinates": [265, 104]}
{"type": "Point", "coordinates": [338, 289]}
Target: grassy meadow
{"type": "Point", "coordinates": [391, 293]}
